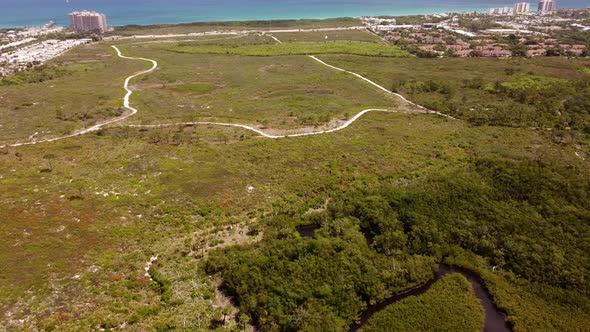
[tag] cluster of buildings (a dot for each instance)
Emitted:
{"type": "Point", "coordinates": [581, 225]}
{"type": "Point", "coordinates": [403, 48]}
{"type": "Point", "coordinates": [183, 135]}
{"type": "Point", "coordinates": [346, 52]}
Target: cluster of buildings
{"type": "Point", "coordinates": [442, 43]}
{"type": "Point", "coordinates": [491, 43]}
{"type": "Point", "coordinates": [16, 38]}
{"type": "Point", "coordinates": [27, 48]}
{"type": "Point", "coordinates": [516, 9]}
{"type": "Point", "coordinates": [382, 24]}
{"type": "Point", "coordinates": [581, 27]}
{"type": "Point", "coordinates": [544, 6]}
{"type": "Point", "coordinates": [521, 8]}
{"type": "Point", "coordinates": [36, 54]}
{"type": "Point", "coordinates": [551, 46]}
{"type": "Point", "coordinates": [477, 35]}
{"type": "Point", "coordinates": [17, 43]}
{"type": "Point", "coordinates": [88, 22]}
{"type": "Point", "coordinates": [378, 20]}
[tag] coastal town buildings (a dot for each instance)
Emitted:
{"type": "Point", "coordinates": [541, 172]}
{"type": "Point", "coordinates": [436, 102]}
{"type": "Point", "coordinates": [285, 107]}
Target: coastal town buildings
{"type": "Point", "coordinates": [378, 20]}
{"type": "Point", "coordinates": [546, 6]}
{"type": "Point", "coordinates": [521, 7]}
{"type": "Point", "coordinates": [531, 35]}
{"type": "Point", "coordinates": [36, 54]}
{"type": "Point", "coordinates": [17, 43]}
{"type": "Point", "coordinates": [516, 9]}
{"type": "Point", "coordinates": [443, 43]}
{"type": "Point", "coordinates": [501, 11]}
{"type": "Point", "coordinates": [86, 21]}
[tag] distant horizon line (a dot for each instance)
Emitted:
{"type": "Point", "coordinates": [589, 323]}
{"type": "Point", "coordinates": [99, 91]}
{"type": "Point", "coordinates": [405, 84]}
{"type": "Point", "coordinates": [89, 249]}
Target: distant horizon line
{"type": "Point", "coordinates": [479, 11]}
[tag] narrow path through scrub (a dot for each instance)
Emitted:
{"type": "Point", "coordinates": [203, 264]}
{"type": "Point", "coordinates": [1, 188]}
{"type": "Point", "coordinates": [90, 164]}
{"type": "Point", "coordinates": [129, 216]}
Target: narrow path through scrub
{"type": "Point", "coordinates": [262, 133]}
{"type": "Point", "coordinates": [372, 83]}
{"type": "Point", "coordinates": [133, 111]}
{"type": "Point", "coordinates": [381, 88]}
{"type": "Point", "coordinates": [98, 126]}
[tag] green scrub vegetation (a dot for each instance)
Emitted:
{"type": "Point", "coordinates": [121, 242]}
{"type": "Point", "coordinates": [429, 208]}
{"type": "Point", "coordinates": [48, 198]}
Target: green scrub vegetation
{"type": "Point", "coordinates": [192, 88]}
{"type": "Point", "coordinates": [287, 92]}
{"type": "Point", "coordinates": [546, 92]}
{"type": "Point", "coordinates": [327, 36]}
{"type": "Point", "coordinates": [306, 284]}
{"type": "Point", "coordinates": [366, 49]}
{"type": "Point", "coordinates": [502, 193]}
{"type": "Point", "coordinates": [524, 216]}
{"type": "Point", "coordinates": [76, 90]}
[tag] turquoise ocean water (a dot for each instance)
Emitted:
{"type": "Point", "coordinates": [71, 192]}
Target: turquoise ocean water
{"type": "Point", "coordinates": [19, 13]}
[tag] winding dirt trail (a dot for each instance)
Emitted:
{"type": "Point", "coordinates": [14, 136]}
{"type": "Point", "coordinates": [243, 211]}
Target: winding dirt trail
{"type": "Point", "coordinates": [132, 111]}
{"type": "Point", "coordinates": [262, 133]}
{"type": "Point", "coordinates": [426, 110]}
{"type": "Point", "coordinates": [98, 126]}
{"type": "Point", "coordinates": [319, 132]}
{"type": "Point", "coordinates": [126, 84]}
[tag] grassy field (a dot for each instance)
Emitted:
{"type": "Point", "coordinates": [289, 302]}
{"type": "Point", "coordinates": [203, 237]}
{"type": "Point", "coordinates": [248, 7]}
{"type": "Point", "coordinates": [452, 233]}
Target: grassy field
{"type": "Point", "coordinates": [233, 40]}
{"type": "Point", "coordinates": [247, 39]}
{"type": "Point", "coordinates": [279, 92]}
{"type": "Point", "coordinates": [324, 36]}
{"type": "Point", "coordinates": [86, 88]}
{"type": "Point", "coordinates": [230, 42]}
{"type": "Point", "coordinates": [355, 48]}
{"type": "Point", "coordinates": [138, 192]}
{"type": "Point", "coordinates": [479, 90]}
{"type": "Point", "coordinates": [82, 217]}
{"type": "Point", "coordinates": [450, 305]}
{"type": "Point", "coordinates": [66, 99]}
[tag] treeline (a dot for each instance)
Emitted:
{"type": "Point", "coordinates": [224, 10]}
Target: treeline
{"type": "Point", "coordinates": [525, 217]}
{"type": "Point", "coordinates": [481, 23]}
{"type": "Point", "coordinates": [575, 37]}
{"type": "Point", "coordinates": [290, 283]}
{"type": "Point", "coordinates": [255, 24]}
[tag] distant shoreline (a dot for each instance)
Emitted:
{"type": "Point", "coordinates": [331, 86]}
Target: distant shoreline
{"type": "Point", "coordinates": [220, 22]}
{"type": "Point", "coordinates": [116, 21]}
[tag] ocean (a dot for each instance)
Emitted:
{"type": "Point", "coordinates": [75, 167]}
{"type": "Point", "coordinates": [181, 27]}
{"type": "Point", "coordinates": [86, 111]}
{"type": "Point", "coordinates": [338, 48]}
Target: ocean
{"type": "Point", "coordinates": [20, 13]}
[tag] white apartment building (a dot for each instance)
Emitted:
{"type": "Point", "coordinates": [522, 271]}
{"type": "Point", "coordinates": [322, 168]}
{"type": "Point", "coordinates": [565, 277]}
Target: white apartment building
{"type": "Point", "coordinates": [521, 7]}
{"type": "Point", "coordinates": [501, 11]}
{"type": "Point", "coordinates": [546, 6]}
{"type": "Point", "coordinates": [86, 21]}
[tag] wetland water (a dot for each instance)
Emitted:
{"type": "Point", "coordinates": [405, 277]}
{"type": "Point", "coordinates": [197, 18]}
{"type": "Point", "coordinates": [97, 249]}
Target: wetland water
{"type": "Point", "coordinates": [495, 318]}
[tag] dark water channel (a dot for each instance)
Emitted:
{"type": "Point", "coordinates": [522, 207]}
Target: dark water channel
{"type": "Point", "coordinates": [495, 318]}
{"type": "Point", "coordinates": [307, 230]}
